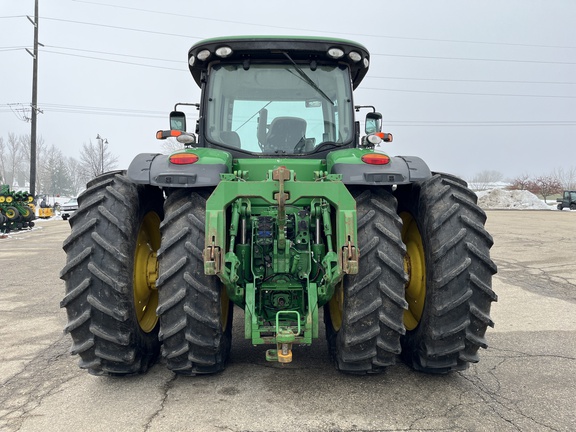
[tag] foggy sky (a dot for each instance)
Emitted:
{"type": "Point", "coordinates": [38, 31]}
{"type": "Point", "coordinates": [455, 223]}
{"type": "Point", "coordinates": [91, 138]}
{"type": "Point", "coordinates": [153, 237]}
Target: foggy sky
{"type": "Point", "coordinates": [467, 86]}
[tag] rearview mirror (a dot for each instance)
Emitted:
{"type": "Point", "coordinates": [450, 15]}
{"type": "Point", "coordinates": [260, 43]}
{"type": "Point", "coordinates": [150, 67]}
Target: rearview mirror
{"type": "Point", "coordinates": [178, 121]}
{"type": "Point", "coordinates": [373, 122]}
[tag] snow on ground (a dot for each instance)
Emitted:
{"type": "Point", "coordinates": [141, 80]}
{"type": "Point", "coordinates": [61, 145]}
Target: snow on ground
{"type": "Point", "coordinates": [512, 199]}
{"type": "Point", "coordinates": [489, 200]}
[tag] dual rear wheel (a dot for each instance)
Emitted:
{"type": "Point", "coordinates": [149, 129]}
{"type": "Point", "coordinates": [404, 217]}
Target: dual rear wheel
{"type": "Point", "coordinates": [423, 290]}
{"type": "Point", "coordinates": [434, 309]}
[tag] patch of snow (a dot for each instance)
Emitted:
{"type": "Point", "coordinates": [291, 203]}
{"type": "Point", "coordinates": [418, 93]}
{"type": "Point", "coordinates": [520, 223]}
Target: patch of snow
{"type": "Point", "coordinates": [511, 199]}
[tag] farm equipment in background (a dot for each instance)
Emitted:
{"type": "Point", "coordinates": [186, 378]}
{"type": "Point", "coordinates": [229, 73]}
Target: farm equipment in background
{"type": "Point", "coordinates": [45, 211]}
{"type": "Point", "coordinates": [277, 205]}
{"type": "Point", "coordinates": [17, 210]}
{"type": "Point", "coordinates": [568, 200]}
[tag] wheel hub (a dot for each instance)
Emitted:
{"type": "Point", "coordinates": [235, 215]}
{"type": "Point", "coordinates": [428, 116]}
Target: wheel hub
{"type": "Point", "coordinates": [415, 267]}
{"type": "Point", "coordinates": [146, 272]}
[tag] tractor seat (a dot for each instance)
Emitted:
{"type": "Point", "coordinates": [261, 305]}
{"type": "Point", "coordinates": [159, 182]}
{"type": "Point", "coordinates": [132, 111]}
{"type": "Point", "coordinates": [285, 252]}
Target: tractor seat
{"type": "Point", "coordinates": [285, 134]}
{"type": "Point", "coordinates": [230, 138]}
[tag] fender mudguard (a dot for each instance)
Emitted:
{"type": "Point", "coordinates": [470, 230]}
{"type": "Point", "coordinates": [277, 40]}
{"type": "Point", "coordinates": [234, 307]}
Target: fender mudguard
{"type": "Point", "coordinates": [155, 169]}
{"type": "Point", "coordinates": [400, 170]}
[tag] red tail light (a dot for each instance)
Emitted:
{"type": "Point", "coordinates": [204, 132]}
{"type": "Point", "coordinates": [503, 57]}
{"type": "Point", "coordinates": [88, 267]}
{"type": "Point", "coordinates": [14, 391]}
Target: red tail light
{"type": "Point", "coordinates": [183, 158]}
{"type": "Point", "coordinates": [375, 159]}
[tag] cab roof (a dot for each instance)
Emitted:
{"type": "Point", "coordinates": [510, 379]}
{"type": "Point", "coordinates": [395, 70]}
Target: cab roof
{"type": "Point", "coordinates": [262, 48]}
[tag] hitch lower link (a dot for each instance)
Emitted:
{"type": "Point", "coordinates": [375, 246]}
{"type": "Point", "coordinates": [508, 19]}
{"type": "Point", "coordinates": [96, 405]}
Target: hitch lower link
{"type": "Point", "coordinates": [285, 337]}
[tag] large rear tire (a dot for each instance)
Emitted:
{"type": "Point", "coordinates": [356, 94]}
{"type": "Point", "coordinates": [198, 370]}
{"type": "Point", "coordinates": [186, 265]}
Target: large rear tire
{"type": "Point", "coordinates": [364, 318]}
{"type": "Point", "coordinates": [110, 273]}
{"type": "Point", "coordinates": [450, 274]}
{"type": "Point", "coordinates": [195, 312]}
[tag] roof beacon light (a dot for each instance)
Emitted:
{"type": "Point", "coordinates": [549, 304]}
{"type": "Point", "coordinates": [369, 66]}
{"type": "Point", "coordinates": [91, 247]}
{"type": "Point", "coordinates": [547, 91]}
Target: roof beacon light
{"type": "Point", "coordinates": [203, 55]}
{"type": "Point", "coordinates": [354, 56]}
{"type": "Point", "coordinates": [335, 53]}
{"type": "Point", "coordinates": [375, 159]}
{"type": "Point", "coordinates": [183, 158]}
{"type": "Point", "coordinates": [224, 52]}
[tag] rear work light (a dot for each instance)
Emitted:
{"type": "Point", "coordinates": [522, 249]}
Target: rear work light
{"type": "Point", "coordinates": [183, 158]}
{"type": "Point", "coordinates": [375, 159]}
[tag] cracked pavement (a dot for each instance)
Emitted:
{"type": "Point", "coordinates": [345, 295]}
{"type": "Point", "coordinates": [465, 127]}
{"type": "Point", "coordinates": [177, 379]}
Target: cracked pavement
{"type": "Point", "coordinates": [525, 380]}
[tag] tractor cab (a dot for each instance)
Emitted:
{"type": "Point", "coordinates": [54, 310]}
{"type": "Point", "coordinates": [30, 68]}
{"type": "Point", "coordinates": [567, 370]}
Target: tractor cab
{"type": "Point", "coordinates": [276, 96]}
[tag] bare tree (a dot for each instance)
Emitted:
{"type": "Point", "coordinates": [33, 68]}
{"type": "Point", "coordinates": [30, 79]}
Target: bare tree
{"type": "Point", "coordinates": [566, 178]}
{"type": "Point", "coordinates": [13, 164]}
{"type": "Point", "coordinates": [96, 158]}
{"type": "Point", "coordinates": [25, 142]}
{"type": "Point", "coordinates": [547, 185]}
{"type": "Point", "coordinates": [76, 176]}
{"type": "Point", "coordinates": [171, 145]}
{"type": "Point", "coordinates": [522, 182]}
{"type": "Point", "coordinates": [2, 158]}
{"type": "Point", "coordinates": [483, 180]}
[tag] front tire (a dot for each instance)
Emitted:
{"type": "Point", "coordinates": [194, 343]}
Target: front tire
{"type": "Point", "coordinates": [450, 274]}
{"type": "Point", "coordinates": [109, 274]}
{"type": "Point", "coordinates": [364, 317]}
{"type": "Point", "coordinates": [194, 309]}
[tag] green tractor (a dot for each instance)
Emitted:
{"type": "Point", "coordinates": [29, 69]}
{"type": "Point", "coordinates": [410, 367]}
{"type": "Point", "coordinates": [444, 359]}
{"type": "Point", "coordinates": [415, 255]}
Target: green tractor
{"type": "Point", "coordinates": [277, 205]}
{"type": "Point", "coordinates": [17, 210]}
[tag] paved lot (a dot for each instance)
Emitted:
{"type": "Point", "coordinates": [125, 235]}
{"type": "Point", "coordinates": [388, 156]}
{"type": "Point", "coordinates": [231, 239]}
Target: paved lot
{"type": "Point", "coordinates": [525, 381]}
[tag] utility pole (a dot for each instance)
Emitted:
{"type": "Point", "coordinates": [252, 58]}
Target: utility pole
{"type": "Point", "coordinates": [102, 141]}
{"type": "Point", "coordinates": [34, 102]}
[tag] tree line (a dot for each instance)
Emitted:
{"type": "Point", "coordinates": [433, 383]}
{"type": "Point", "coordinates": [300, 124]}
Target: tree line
{"type": "Point", "coordinates": [558, 180]}
{"type": "Point", "coordinates": [56, 173]}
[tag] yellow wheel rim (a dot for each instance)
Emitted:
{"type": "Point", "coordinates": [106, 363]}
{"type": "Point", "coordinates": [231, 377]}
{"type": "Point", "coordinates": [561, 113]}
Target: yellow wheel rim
{"type": "Point", "coordinates": [415, 266]}
{"type": "Point", "coordinates": [2, 199]}
{"type": "Point", "coordinates": [9, 199]}
{"type": "Point", "coordinates": [146, 272]}
{"type": "Point", "coordinates": [25, 212]}
{"type": "Point", "coordinates": [336, 307]}
{"type": "Point", "coordinates": [11, 213]}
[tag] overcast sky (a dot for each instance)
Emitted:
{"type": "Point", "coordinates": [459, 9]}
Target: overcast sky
{"type": "Point", "coordinates": [466, 85]}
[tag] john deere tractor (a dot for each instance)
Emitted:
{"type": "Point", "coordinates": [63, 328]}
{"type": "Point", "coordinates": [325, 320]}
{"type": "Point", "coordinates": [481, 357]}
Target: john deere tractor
{"type": "Point", "coordinates": [277, 204]}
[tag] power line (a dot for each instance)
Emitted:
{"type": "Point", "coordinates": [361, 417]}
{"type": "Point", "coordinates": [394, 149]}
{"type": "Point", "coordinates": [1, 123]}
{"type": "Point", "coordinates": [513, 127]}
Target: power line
{"type": "Point", "coordinates": [328, 32]}
{"type": "Point", "coordinates": [468, 93]}
{"type": "Point", "coordinates": [112, 61]}
{"type": "Point", "coordinates": [373, 54]}
{"type": "Point", "coordinates": [113, 54]}
{"type": "Point", "coordinates": [472, 80]}
{"type": "Point", "coordinates": [79, 109]}
{"type": "Point", "coordinates": [14, 48]}
{"type": "Point", "coordinates": [121, 28]}
{"type": "Point", "coordinates": [129, 112]}
{"type": "Point", "coordinates": [473, 59]}
{"type": "Point", "coordinates": [478, 124]}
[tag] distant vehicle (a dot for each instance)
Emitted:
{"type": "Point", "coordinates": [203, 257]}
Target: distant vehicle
{"type": "Point", "coordinates": [568, 200]}
{"type": "Point", "coordinates": [68, 208]}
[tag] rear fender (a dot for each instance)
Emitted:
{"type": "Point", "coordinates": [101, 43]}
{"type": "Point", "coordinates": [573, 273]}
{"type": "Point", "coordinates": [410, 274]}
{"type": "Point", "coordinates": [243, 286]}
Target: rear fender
{"type": "Point", "coordinates": [157, 170]}
{"type": "Point", "coordinates": [400, 169]}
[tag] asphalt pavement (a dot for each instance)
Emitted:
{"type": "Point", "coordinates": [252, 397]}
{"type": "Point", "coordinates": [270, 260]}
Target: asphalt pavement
{"type": "Point", "coordinates": [525, 380]}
